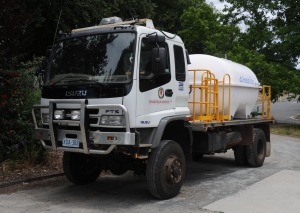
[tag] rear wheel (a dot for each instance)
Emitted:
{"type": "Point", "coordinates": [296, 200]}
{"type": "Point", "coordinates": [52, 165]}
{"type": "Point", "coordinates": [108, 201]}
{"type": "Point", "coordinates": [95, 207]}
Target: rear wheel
{"type": "Point", "coordinates": [256, 153]}
{"type": "Point", "coordinates": [166, 170]}
{"type": "Point", "coordinates": [80, 168]}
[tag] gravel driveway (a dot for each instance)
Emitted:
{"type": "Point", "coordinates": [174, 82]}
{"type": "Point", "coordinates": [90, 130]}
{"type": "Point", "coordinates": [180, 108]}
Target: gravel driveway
{"type": "Point", "coordinates": [208, 182]}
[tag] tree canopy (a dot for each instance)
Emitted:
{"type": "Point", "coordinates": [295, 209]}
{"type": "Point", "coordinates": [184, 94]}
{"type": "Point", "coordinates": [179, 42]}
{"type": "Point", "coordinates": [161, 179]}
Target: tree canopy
{"type": "Point", "coordinates": [29, 26]}
{"type": "Point", "coordinates": [272, 27]}
{"type": "Point", "coordinates": [269, 43]}
{"type": "Point", "coordinates": [272, 34]}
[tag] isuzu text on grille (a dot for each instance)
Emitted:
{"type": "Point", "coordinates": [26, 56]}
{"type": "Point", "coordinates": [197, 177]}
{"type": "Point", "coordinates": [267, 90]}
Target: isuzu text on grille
{"type": "Point", "coordinates": [77, 93]}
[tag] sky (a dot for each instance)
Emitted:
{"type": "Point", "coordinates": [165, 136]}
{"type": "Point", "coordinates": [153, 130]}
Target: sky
{"type": "Point", "coordinates": [220, 6]}
{"type": "Point", "coordinates": [217, 4]}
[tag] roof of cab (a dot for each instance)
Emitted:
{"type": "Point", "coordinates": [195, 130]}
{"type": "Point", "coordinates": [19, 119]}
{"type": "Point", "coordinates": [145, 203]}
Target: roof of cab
{"type": "Point", "coordinates": [144, 22]}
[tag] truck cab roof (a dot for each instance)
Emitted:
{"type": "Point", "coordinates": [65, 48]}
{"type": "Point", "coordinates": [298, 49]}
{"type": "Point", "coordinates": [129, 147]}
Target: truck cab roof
{"type": "Point", "coordinates": [137, 25]}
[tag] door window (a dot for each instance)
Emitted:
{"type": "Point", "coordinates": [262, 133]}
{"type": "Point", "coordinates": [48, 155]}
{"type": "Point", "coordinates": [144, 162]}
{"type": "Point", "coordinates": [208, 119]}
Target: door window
{"type": "Point", "coordinates": [179, 63]}
{"type": "Point", "coordinates": [148, 79]}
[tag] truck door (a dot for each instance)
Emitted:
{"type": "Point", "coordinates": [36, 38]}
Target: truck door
{"type": "Point", "coordinates": [155, 91]}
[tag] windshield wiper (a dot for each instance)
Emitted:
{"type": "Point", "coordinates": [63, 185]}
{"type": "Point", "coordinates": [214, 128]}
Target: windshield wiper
{"type": "Point", "coordinates": [66, 76]}
{"type": "Point", "coordinates": [88, 81]}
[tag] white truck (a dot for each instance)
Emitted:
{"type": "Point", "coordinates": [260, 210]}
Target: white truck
{"type": "Point", "coordinates": [125, 96]}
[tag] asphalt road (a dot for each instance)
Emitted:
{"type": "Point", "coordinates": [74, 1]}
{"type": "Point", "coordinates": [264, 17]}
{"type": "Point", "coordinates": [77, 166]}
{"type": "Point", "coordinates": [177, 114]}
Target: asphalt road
{"type": "Point", "coordinates": [207, 187]}
{"type": "Point", "coordinates": [286, 112]}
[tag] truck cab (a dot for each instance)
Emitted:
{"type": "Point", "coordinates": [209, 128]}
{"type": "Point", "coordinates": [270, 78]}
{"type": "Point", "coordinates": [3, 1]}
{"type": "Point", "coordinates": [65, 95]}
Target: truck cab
{"type": "Point", "coordinates": [112, 92]}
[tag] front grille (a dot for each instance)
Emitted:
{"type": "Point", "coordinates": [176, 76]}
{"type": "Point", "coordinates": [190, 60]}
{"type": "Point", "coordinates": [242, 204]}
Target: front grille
{"type": "Point", "coordinates": [93, 120]}
{"type": "Point", "coordinates": [93, 111]}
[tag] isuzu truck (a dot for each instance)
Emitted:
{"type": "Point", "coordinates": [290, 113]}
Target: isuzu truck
{"type": "Point", "coordinates": [125, 96]}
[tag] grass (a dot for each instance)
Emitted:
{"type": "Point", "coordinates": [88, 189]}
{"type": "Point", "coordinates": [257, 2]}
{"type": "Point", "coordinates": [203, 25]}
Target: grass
{"type": "Point", "coordinates": [290, 130]}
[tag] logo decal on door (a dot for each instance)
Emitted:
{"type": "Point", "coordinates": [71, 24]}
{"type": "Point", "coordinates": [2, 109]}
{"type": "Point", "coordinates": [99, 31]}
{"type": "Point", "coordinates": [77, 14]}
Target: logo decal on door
{"type": "Point", "coordinates": [181, 86]}
{"type": "Point", "coordinates": [161, 93]}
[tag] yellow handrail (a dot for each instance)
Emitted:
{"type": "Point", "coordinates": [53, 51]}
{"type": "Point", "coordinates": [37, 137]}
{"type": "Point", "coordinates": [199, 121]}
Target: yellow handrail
{"type": "Point", "coordinates": [266, 97]}
{"type": "Point", "coordinates": [209, 107]}
{"type": "Point", "coordinates": [223, 115]}
{"type": "Point", "coordinates": [209, 97]}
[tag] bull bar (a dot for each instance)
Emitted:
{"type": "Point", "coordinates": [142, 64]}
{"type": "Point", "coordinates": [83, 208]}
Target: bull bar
{"type": "Point", "coordinates": [85, 136]}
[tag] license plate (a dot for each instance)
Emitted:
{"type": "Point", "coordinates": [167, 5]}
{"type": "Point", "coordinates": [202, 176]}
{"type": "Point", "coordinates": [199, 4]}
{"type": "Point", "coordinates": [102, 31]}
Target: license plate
{"type": "Point", "coordinates": [70, 142]}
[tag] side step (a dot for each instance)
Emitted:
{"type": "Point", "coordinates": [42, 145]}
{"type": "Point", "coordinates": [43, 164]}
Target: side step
{"type": "Point", "coordinates": [144, 149]}
{"type": "Point", "coordinates": [145, 145]}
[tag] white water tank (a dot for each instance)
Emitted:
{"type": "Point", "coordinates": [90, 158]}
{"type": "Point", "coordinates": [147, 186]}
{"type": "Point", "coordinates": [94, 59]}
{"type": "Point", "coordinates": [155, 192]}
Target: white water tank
{"type": "Point", "coordinates": [244, 84]}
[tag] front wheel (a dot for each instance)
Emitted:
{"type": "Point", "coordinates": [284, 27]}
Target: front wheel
{"type": "Point", "coordinates": [80, 168]}
{"type": "Point", "coordinates": [166, 170]}
{"type": "Point", "coordinates": [116, 167]}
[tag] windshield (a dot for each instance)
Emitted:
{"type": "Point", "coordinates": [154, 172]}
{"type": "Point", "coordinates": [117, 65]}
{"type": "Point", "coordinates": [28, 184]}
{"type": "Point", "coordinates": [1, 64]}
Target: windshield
{"type": "Point", "coordinates": [94, 59]}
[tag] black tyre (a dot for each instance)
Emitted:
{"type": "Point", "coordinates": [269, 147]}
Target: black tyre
{"type": "Point", "coordinates": [166, 170]}
{"type": "Point", "coordinates": [256, 153]}
{"type": "Point", "coordinates": [80, 168]}
{"type": "Point", "coordinates": [118, 172]}
{"type": "Point", "coordinates": [240, 155]}
{"type": "Point", "coordinates": [116, 167]}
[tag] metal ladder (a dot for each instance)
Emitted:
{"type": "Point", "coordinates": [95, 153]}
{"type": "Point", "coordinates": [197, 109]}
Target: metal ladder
{"type": "Point", "coordinates": [208, 104]}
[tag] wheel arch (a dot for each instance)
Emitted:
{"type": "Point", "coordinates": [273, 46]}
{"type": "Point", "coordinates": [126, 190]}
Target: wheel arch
{"type": "Point", "coordinates": [247, 134]}
{"type": "Point", "coordinates": [176, 129]}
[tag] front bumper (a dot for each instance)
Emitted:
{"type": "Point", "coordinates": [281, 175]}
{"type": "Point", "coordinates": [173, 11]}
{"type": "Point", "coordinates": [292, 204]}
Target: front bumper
{"type": "Point", "coordinates": [91, 141]}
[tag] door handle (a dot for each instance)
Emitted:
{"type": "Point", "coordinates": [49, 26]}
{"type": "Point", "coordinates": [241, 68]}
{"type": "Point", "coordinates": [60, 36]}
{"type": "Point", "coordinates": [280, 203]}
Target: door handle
{"type": "Point", "coordinates": [169, 92]}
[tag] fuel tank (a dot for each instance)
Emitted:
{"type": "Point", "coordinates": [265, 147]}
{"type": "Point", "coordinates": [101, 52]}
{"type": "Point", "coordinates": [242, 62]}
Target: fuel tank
{"type": "Point", "coordinates": [244, 86]}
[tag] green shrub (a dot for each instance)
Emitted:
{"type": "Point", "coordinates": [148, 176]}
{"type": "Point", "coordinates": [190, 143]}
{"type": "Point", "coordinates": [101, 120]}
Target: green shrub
{"type": "Point", "coordinates": [18, 92]}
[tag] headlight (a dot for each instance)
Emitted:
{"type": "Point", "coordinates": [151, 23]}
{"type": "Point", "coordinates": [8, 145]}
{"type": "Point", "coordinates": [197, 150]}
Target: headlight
{"type": "Point", "coordinates": [59, 114]}
{"type": "Point", "coordinates": [112, 120]}
{"type": "Point", "coordinates": [75, 115]}
{"type": "Point", "coordinates": [104, 120]}
{"type": "Point", "coordinates": [116, 120]}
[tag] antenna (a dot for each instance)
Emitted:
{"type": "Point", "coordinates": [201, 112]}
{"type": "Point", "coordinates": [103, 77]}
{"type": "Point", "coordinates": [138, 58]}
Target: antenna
{"type": "Point", "coordinates": [57, 27]}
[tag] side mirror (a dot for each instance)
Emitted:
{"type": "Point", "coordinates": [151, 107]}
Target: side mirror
{"type": "Point", "coordinates": [159, 60]}
{"type": "Point", "coordinates": [157, 39]}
